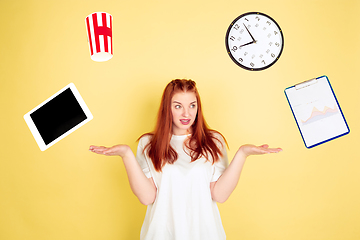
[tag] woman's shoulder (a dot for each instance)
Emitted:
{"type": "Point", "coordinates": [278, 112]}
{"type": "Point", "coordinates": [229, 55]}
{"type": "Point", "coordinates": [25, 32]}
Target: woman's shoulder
{"type": "Point", "coordinates": [145, 139]}
{"type": "Point", "coordinates": [218, 137]}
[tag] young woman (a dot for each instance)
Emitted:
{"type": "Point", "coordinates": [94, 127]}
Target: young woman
{"type": "Point", "coordinates": [181, 169]}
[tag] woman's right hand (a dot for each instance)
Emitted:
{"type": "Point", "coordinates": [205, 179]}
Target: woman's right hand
{"type": "Point", "coordinates": [117, 150]}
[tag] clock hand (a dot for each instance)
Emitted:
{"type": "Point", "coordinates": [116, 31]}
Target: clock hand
{"type": "Point", "coordinates": [250, 33]}
{"type": "Point", "coordinates": [247, 44]}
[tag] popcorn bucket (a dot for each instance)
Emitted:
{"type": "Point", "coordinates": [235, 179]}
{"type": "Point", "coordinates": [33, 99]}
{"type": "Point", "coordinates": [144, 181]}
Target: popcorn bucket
{"type": "Point", "coordinates": [99, 32]}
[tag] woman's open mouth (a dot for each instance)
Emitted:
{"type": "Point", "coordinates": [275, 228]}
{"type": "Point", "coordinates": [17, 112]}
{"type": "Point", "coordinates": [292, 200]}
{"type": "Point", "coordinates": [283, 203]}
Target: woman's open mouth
{"type": "Point", "coordinates": [185, 121]}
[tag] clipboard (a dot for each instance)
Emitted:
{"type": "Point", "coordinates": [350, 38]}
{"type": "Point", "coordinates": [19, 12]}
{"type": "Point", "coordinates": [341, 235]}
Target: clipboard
{"type": "Point", "coordinates": [316, 111]}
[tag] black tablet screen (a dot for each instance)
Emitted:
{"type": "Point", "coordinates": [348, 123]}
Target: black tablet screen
{"type": "Point", "coordinates": [58, 116]}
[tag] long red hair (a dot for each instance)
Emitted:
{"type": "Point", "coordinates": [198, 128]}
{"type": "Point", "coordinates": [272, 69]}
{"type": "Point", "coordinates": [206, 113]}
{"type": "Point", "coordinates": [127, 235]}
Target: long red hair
{"type": "Point", "coordinates": [202, 142]}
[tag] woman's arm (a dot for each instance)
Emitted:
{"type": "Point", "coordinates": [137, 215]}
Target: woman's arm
{"type": "Point", "coordinates": [225, 185]}
{"type": "Point", "coordinates": [144, 188]}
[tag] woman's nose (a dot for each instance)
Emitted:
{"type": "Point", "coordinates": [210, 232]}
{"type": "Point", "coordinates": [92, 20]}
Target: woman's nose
{"type": "Point", "coordinates": [186, 112]}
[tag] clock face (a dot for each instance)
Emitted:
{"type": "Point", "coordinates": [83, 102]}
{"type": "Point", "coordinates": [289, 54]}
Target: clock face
{"type": "Point", "coordinates": [254, 41]}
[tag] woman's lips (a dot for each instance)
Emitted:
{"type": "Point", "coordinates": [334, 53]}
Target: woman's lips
{"type": "Point", "coordinates": [185, 121]}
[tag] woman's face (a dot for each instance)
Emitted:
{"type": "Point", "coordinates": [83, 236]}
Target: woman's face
{"type": "Point", "coordinates": [184, 111]}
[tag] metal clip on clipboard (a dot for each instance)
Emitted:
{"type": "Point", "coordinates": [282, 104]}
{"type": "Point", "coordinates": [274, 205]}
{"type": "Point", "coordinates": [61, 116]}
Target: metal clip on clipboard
{"type": "Point", "coordinates": [305, 83]}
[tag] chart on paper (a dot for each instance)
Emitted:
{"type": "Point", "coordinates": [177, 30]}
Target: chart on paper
{"type": "Point", "coordinates": [316, 110]}
{"type": "Point", "coordinates": [318, 115]}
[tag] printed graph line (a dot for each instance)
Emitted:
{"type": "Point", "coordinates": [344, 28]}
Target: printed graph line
{"type": "Point", "coordinates": [316, 114]}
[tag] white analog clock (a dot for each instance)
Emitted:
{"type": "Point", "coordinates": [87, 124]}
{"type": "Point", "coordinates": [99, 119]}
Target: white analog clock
{"type": "Point", "coordinates": [254, 41]}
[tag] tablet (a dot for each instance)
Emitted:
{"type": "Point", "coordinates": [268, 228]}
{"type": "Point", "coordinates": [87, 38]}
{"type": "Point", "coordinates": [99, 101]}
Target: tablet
{"type": "Point", "coordinates": [57, 117]}
{"type": "Point", "coordinates": [316, 111]}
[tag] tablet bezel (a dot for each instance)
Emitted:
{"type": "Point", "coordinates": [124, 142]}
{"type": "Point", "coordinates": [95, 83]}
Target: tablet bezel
{"type": "Point", "coordinates": [42, 145]}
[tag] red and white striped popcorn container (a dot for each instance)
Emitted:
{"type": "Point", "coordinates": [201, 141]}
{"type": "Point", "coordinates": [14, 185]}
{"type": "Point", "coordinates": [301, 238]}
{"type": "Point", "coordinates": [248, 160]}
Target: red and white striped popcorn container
{"type": "Point", "coordinates": [99, 31]}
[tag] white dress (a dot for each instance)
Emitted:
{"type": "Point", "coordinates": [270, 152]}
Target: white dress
{"type": "Point", "coordinates": [183, 208]}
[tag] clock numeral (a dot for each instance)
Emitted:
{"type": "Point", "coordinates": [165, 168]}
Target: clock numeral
{"type": "Point", "coordinates": [261, 56]}
{"type": "Point", "coordinates": [269, 35]}
{"type": "Point", "coordinates": [236, 26]}
{"type": "Point", "coordinates": [264, 28]}
{"type": "Point", "coordinates": [239, 38]}
{"type": "Point", "coordinates": [270, 44]}
{"type": "Point", "coordinates": [263, 61]}
{"type": "Point", "coordinates": [267, 51]}
{"type": "Point", "coordinates": [245, 53]}
{"type": "Point", "coordinates": [232, 38]}
{"type": "Point", "coordinates": [241, 60]}
{"type": "Point", "coordinates": [273, 55]}
{"type": "Point", "coordinates": [252, 64]}
{"type": "Point", "coordinates": [277, 44]}
{"type": "Point", "coordinates": [234, 48]}
{"type": "Point", "coordinates": [248, 26]}
{"type": "Point", "coordinates": [275, 32]}
{"type": "Point", "coordinates": [246, 19]}
{"type": "Point", "coordinates": [253, 56]}
{"type": "Point", "coordinates": [256, 25]}
{"type": "Point", "coordinates": [241, 31]}
{"type": "Point", "coordinates": [257, 18]}
{"type": "Point", "coordinates": [268, 23]}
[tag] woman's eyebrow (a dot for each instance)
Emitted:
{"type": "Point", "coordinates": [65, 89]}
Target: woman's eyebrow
{"type": "Point", "coordinates": [181, 103]}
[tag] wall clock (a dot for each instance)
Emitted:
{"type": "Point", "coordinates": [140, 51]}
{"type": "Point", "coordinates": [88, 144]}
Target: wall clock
{"type": "Point", "coordinates": [254, 41]}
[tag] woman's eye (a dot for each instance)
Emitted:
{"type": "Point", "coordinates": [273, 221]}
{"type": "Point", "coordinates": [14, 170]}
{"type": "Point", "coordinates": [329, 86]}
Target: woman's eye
{"type": "Point", "coordinates": [177, 106]}
{"type": "Point", "coordinates": [192, 105]}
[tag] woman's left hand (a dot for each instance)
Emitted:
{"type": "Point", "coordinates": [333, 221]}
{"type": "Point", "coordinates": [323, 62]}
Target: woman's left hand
{"type": "Point", "coordinates": [250, 149]}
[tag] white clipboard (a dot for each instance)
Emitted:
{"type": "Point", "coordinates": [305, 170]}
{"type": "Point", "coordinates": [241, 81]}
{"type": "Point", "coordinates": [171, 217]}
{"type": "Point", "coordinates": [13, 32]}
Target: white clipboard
{"type": "Point", "coordinates": [316, 111]}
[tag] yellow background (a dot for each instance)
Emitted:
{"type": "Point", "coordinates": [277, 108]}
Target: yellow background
{"type": "Point", "coordinates": [67, 192]}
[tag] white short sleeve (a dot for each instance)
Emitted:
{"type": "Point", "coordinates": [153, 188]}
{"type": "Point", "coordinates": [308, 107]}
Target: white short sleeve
{"type": "Point", "coordinates": [141, 158]}
{"type": "Point", "coordinates": [220, 166]}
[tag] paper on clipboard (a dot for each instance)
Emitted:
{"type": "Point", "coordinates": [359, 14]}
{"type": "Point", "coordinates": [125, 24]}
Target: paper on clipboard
{"type": "Point", "coordinates": [316, 111]}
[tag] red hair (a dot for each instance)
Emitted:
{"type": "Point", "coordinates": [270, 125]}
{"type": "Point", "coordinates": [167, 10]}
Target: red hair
{"type": "Point", "coordinates": [202, 143]}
